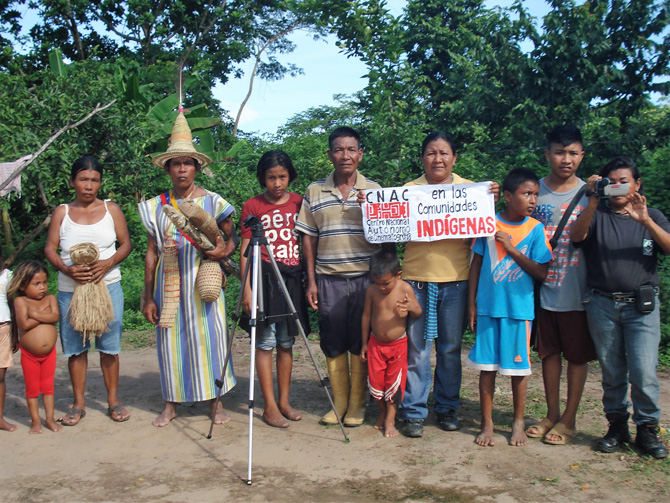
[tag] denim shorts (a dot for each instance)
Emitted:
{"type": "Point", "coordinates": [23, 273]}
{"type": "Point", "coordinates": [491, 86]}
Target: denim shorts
{"type": "Point", "coordinates": [275, 334]}
{"type": "Point", "coordinates": [74, 343]}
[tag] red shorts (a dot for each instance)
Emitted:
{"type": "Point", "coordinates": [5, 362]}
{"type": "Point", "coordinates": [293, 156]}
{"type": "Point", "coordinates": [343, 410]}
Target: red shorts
{"type": "Point", "coordinates": [38, 372]}
{"type": "Point", "coordinates": [387, 368]}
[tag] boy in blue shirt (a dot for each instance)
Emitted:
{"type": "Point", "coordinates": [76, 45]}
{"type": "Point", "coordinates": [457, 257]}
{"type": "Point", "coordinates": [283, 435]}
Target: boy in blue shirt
{"type": "Point", "coordinates": [500, 300]}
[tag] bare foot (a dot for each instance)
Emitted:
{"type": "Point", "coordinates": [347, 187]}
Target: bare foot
{"type": "Point", "coordinates": [53, 425]}
{"type": "Point", "coordinates": [36, 427]}
{"type": "Point", "coordinates": [390, 430]}
{"type": "Point", "coordinates": [485, 437]}
{"type": "Point", "coordinates": [168, 414]}
{"type": "Point", "coordinates": [4, 425]}
{"type": "Point", "coordinates": [379, 425]}
{"type": "Point", "coordinates": [274, 418]}
{"type": "Point", "coordinates": [290, 413]}
{"type": "Point", "coordinates": [519, 438]}
{"type": "Point", "coordinates": [220, 417]}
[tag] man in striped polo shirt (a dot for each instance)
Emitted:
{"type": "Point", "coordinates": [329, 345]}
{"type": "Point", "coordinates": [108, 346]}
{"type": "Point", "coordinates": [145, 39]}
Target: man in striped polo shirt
{"type": "Point", "coordinates": [336, 258]}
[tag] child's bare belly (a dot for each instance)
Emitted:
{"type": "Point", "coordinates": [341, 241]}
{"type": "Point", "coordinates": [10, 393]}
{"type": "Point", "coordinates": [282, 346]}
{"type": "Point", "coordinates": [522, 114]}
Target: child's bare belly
{"type": "Point", "coordinates": [389, 331]}
{"type": "Point", "coordinates": [40, 340]}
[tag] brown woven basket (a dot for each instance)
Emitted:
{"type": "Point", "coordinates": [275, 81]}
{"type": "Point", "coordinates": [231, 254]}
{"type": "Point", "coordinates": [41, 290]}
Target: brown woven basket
{"type": "Point", "coordinates": [209, 280]}
{"type": "Point", "coordinates": [84, 253]}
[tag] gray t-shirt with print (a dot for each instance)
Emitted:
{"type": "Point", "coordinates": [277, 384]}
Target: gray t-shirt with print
{"type": "Point", "coordinates": [565, 285]}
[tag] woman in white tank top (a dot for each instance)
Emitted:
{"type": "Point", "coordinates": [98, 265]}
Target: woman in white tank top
{"type": "Point", "coordinates": [89, 220]}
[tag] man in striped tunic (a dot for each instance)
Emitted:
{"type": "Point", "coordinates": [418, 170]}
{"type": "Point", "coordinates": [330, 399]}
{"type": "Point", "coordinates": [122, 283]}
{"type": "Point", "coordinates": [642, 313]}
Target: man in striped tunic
{"type": "Point", "coordinates": [336, 258]}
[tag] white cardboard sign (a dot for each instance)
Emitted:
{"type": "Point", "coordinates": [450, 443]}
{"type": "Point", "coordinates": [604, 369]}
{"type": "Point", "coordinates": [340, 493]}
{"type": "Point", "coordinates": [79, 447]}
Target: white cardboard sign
{"type": "Point", "coordinates": [429, 212]}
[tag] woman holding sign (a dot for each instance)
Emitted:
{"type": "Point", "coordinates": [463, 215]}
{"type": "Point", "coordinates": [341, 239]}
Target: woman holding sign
{"type": "Point", "coordinates": [438, 272]}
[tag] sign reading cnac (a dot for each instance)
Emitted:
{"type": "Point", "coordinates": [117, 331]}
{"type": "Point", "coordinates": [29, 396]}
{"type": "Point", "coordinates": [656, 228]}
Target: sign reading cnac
{"type": "Point", "coordinates": [429, 213]}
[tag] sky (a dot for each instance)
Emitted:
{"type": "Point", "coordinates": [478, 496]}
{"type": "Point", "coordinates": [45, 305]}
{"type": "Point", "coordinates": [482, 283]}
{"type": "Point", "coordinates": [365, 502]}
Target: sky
{"type": "Point", "coordinates": [327, 72]}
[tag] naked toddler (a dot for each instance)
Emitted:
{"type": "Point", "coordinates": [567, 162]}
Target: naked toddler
{"type": "Point", "coordinates": [388, 302]}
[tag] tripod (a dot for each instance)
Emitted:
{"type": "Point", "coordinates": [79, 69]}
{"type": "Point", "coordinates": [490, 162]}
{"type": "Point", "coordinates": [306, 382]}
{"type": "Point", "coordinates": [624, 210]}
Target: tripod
{"type": "Point", "coordinates": [253, 252]}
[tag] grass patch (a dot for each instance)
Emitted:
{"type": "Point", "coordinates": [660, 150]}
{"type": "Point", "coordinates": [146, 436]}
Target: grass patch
{"type": "Point", "coordinates": [138, 339]}
{"type": "Point", "coordinates": [134, 320]}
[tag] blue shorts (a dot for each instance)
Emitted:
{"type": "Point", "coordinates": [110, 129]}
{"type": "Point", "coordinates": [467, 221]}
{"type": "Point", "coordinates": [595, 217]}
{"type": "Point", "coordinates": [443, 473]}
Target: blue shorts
{"type": "Point", "coordinates": [502, 345]}
{"type": "Point", "coordinates": [73, 342]}
{"type": "Point", "coordinates": [275, 334]}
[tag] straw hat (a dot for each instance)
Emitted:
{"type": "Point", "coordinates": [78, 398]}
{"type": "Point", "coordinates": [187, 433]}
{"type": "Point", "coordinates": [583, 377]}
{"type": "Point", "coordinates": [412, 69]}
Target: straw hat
{"type": "Point", "coordinates": [181, 145]}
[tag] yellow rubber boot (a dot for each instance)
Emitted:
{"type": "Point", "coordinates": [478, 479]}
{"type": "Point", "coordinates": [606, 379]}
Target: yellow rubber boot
{"type": "Point", "coordinates": [358, 393]}
{"type": "Point", "coordinates": [338, 373]}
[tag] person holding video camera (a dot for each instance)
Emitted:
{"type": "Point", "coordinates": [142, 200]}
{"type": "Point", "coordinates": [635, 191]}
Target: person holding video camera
{"type": "Point", "coordinates": [621, 238]}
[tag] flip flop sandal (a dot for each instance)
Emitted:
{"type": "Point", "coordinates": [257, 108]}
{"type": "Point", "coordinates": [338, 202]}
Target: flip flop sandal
{"type": "Point", "coordinates": [70, 416]}
{"type": "Point", "coordinates": [542, 428]}
{"type": "Point", "coordinates": [117, 409]}
{"type": "Point", "coordinates": [564, 433]}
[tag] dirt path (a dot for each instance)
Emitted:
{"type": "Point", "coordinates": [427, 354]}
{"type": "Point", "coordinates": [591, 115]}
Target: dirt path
{"type": "Point", "coordinates": [99, 460]}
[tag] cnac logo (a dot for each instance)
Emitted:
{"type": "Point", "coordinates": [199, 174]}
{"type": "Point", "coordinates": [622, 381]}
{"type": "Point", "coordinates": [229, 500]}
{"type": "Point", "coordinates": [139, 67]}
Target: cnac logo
{"type": "Point", "coordinates": [379, 211]}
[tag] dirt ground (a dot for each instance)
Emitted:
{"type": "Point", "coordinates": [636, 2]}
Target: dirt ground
{"type": "Point", "coordinates": [99, 460]}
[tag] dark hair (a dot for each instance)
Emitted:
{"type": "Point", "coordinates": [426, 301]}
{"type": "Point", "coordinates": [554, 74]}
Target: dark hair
{"type": "Point", "coordinates": [343, 132]}
{"type": "Point", "coordinates": [517, 177]}
{"type": "Point", "coordinates": [437, 135]}
{"type": "Point", "coordinates": [84, 164]}
{"type": "Point", "coordinates": [273, 158]}
{"type": "Point", "coordinates": [384, 261]}
{"type": "Point", "coordinates": [23, 275]}
{"type": "Point", "coordinates": [620, 162]}
{"type": "Point", "coordinates": [564, 135]}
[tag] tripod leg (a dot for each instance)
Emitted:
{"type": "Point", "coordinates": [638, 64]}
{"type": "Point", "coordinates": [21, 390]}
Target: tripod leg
{"type": "Point", "coordinates": [229, 346]}
{"type": "Point", "coordinates": [294, 314]}
{"type": "Point", "coordinates": [255, 288]}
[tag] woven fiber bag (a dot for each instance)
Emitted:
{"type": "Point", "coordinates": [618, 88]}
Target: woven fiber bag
{"type": "Point", "coordinates": [91, 308]}
{"type": "Point", "coordinates": [171, 284]}
{"type": "Point", "coordinates": [209, 280]}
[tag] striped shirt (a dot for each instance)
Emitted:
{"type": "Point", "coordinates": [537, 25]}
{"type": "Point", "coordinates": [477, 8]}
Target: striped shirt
{"type": "Point", "coordinates": [191, 354]}
{"type": "Point", "coordinates": [338, 223]}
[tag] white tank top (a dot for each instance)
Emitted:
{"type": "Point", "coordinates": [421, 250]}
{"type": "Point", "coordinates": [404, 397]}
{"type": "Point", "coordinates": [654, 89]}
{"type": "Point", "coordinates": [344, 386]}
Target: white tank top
{"type": "Point", "coordinates": [5, 277]}
{"type": "Point", "coordinates": [101, 233]}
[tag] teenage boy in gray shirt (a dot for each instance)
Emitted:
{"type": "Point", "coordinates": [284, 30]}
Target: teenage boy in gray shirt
{"type": "Point", "coordinates": [563, 328]}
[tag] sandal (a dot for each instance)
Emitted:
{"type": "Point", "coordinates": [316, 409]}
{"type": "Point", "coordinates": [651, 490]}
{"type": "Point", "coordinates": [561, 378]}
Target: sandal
{"type": "Point", "coordinates": [564, 434]}
{"type": "Point", "coordinates": [71, 419]}
{"type": "Point", "coordinates": [118, 409]}
{"type": "Point", "coordinates": [542, 428]}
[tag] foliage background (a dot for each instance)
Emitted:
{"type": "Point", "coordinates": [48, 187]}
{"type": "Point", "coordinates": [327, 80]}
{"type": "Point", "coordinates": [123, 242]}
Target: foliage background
{"type": "Point", "coordinates": [496, 78]}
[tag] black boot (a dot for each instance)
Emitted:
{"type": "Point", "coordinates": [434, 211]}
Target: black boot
{"type": "Point", "coordinates": [616, 436]}
{"type": "Point", "coordinates": [648, 442]}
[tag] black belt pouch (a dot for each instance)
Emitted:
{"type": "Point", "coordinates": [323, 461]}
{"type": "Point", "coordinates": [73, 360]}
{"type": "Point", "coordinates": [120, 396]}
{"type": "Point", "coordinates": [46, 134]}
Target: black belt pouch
{"type": "Point", "coordinates": [646, 298]}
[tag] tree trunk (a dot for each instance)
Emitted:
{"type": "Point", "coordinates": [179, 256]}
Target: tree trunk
{"type": "Point", "coordinates": [6, 226]}
{"type": "Point", "coordinates": [27, 240]}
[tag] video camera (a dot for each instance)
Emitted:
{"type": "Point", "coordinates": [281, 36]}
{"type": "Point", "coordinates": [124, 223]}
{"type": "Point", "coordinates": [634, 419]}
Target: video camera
{"type": "Point", "coordinates": [604, 189]}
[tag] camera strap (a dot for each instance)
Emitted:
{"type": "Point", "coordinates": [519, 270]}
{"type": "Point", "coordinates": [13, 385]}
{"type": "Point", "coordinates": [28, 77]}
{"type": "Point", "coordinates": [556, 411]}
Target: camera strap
{"type": "Point", "coordinates": [564, 220]}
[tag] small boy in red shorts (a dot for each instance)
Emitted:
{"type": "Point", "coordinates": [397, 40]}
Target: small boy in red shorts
{"type": "Point", "coordinates": [388, 302]}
